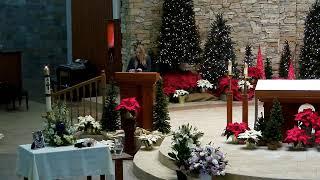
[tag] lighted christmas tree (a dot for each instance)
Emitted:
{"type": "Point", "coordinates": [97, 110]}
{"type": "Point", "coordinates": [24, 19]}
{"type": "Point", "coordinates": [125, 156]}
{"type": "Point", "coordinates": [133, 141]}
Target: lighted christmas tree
{"type": "Point", "coordinates": [248, 57]}
{"type": "Point", "coordinates": [310, 51]}
{"type": "Point", "coordinates": [268, 69]}
{"type": "Point", "coordinates": [110, 120]}
{"type": "Point", "coordinates": [179, 37]}
{"type": "Point", "coordinates": [160, 111]}
{"type": "Point", "coordinates": [284, 61]}
{"type": "Point", "coordinates": [218, 51]}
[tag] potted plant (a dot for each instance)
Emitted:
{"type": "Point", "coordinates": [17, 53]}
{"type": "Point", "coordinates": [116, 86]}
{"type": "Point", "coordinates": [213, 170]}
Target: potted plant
{"type": "Point", "coordinates": [298, 137]}
{"type": "Point", "coordinates": [183, 140]}
{"type": "Point", "coordinates": [128, 108]}
{"type": "Point", "coordinates": [233, 130]}
{"type": "Point", "coordinates": [207, 161]}
{"type": "Point", "coordinates": [317, 138]}
{"type": "Point", "coordinates": [181, 95]}
{"type": "Point", "coordinates": [307, 119]}
{"type": "Point", "coordinates": [58, 130]}
{"type": "Point", "coordinates": [149, 140]}
{"type": "Point", "coordinates": [1, 136]}
{"type": "Point", "coordinates": [250, 137]}
{"type": "Point", "coordinates": [204, 84]}
{"type": "Point", "coordinates": [88, 127]}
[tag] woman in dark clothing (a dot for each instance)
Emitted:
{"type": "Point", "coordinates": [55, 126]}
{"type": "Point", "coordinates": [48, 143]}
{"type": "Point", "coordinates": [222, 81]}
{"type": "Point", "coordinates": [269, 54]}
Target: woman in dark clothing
{"type": "Point", "coordinates": [140, 62]}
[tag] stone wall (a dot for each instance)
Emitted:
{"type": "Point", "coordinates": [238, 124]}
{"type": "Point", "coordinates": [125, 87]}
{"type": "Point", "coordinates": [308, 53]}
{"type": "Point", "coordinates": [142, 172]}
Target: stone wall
{"type": "Point", "coordinates": [37, 28]}
{"type": "Point", "coordinates": [267, 23]}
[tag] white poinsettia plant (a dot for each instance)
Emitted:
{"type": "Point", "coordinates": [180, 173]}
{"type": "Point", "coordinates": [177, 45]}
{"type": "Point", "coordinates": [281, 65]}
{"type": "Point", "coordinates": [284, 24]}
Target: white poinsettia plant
{"type": "Point", "coordinates": [241, 84]}
{"type": "Point", "coordinates": [149, 139]}
{"type": "Point", "coordinates": [88, 124]}
{"type": "Point", "coordinates": [251, 136]}
{"type": "Point", "coordinates": [1, 136]}
{"type": "Point", "coordinates": [180, 92]}
{"type": "Point", "coordinates": [203, 83]}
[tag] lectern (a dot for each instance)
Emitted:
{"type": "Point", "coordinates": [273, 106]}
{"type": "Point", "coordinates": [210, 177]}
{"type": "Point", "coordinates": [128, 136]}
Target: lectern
{"type": "Point", "coordinates": [291, 95]}
{"type": "Point", "coordinates": [142, 86]}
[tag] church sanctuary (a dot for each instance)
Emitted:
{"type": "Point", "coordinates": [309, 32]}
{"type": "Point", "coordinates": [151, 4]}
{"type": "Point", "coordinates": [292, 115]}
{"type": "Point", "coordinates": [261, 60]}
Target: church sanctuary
{"type": "Point", "coordinates": [159, 89]}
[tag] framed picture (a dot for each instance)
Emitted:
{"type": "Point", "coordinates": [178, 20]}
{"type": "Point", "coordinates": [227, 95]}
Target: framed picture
{"type": "Point", "coordinates": [38, 140]}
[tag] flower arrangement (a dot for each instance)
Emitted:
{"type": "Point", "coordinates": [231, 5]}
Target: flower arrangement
{"type": "Point", "coordinates": [180, 92]}
{"type": "Point", "coordinates": [183, 140]}
{"type": "Point", "coordinates": [88, 124]}
{"type": "Point", "coordinates": [251, 137]}
{"type": "Point", "coordinates": [235, 129]}
{"type": "Point", "coordinates": [307, 118]}
{"type": "Point", "coordinates": [149, 139]}
{"type": "Point", "coordinates": [241, 84]}
{"type": "Point", "coordinates": [58, 130]}
{"type": "Point", "coordinates": [207, 160]}
{"type": "Point", "coordinates": [203, 83]}
{"type": "Point", "coordinates": [129, 106]}
{"type": "Point", "coordinates": [297, 136]}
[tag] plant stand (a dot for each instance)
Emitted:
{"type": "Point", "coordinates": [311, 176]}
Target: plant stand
{"type": "Point", "coordinates": [128, 124]}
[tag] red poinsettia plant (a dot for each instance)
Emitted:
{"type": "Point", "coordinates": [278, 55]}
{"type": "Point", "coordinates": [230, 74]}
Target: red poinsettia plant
{"type": "Point", "coordinates": [317, 137]}
{"type": "Point", "coordinates": [297, 136]}
{"type": "Point", "coordinates": [307, 118]}
{"type": "Point", "coordinates": [235, 129]}
{"type": "Point", "coordinates": [179, 80]}
{"type": "Point", "coordinates": [254, 73]}
{"type": "Point", "coordinates": [129, 104]}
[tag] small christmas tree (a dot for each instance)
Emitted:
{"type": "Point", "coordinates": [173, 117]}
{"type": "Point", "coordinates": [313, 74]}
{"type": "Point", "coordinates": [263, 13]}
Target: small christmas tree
{"type": "Point", "coordinates": [291, 73]}
{"type": "Point", "coordinates": [218, 51]}
{"type": "Point", "coordinates": [261, 126]}
{"type": "Point", "coordinates": [248, 57]}
{"type": "Point", "coordinates": [179, 40]}
{"type": "Point", "coordinates": [160, 111]}
{"type": "Point", "coordinates": [273, 129]}
{"type": "Point", "coordinates": [284, 61]}
{"type": "Point", "coordinates": [268, 69]}
{"type": "Point", "coordinates": [260, 65]}
{"type": "Point", "coordinates": [110, 120]}
{"type": "Point", "coordinates": [310, 51]}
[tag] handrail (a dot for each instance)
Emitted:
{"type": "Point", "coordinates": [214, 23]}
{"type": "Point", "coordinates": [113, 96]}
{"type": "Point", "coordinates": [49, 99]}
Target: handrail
{"type": "Point", "coordinates": [74, 99]}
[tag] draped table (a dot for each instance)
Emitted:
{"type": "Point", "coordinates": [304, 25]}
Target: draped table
{"type": "Point", "coordinates": [66, 161]}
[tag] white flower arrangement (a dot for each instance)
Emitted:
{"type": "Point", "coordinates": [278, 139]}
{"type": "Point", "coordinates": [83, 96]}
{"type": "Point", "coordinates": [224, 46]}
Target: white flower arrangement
{"type": "Point", "coordinates": [180, 92]}
{"type": "Point", "coordinates": [203, 83]}
{"type": "Point", "coordinates": [88, 124]}
{"type": "Point", "coordinates": [251, 136]}
{"type": "Point", "coordinates": [1, 136]}
{"type": "Point", "coordinates": [241, 84]}
{"type": "Point", "coordinates": [149, 139]}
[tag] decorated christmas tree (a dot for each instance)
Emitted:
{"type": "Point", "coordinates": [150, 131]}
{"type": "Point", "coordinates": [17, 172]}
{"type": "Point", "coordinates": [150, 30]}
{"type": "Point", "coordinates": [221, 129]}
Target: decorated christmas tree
{"type": "Point", "coordinates": [248, 57]}
{"type": "Point", "coordinates": [110, 120]}
{"type": "Point", "coordinates": [284, 61]}
{"type": "Point", "coordinates": [272, 132]}
{"type": "Point", "coordinates": [291, 73]}
{"type": "Point", "coordinates": [310, 51]}
{"type": "Point", "coordinates": [268, 69]}
{"type": "Point", "coordinates": [260, 65]}
{"type": "Point", "coordinates": [218, 51]}
{"type": "Point", "coordinates": [160, 111]}
{"type": "Point", "coordinates": [179, 37]}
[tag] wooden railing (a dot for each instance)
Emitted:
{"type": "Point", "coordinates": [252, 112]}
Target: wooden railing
{"type": "Point", "coordinates": [82, 98]}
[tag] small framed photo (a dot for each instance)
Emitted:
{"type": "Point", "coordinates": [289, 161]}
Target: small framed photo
{"type": "Point", "coordinates": [38, 140]}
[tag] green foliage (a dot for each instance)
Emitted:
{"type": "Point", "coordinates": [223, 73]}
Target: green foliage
{"type": "Point", "coordinates": [248, 56]}
{"type": "Point", "coordinates": [261, 126]}
{"type": "Point", "coordinates": [110, 120]}
{"type": "Point", "coordinates": [183, 140]}
{"type": "Point", "coordinates": [310, 51]}
{"type": "Point", "coordinates": [284, 61]}
{"type": "Point", "coordinates": [268, 69]}
{"type": "Point", "coordinates": [218, 51]}
{"type": "Point", "coordinates": [59, 112]}
{"type": "Point", "coordinates": [273, 127]}
{"type": "Point", "coordinates": [179, 40]}
{"type": "Point", "coordinates": [160, 110]}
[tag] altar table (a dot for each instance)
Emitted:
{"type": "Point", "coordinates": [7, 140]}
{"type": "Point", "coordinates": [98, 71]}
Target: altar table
{"type": "Point", "coordinates": [66, 161]}
{"type": "Point", "coordinates": [291, 95]}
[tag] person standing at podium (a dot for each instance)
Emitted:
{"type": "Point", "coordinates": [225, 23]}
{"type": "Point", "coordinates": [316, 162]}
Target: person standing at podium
{"type": "Point", "coordinates": [141, 62]}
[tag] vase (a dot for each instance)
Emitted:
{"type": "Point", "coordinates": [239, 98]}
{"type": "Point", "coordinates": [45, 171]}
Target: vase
{"type": "Point", "coordinates": [250, 145]}
{"type": "Point", "coordinates": [181, 175]}
{"type": "Point", "coordinates": [182, 99]}
{"type": "Point", "coordinates": [205, 177]}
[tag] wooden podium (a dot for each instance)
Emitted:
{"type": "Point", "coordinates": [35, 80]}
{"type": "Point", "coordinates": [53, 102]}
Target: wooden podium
{"type": "Point", "coordinates": [140, 85]}
{"type": "Point", "coordinates": [291, 95]}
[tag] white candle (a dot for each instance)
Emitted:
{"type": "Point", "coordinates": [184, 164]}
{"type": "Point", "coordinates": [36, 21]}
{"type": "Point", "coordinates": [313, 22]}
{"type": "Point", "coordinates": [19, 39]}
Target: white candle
{"type": "Point", "coordinates": [230, 68]}
{"type": "Point", "coordinates": [47, 88]}
{"type": "Point", "coordinates": [245, 71]}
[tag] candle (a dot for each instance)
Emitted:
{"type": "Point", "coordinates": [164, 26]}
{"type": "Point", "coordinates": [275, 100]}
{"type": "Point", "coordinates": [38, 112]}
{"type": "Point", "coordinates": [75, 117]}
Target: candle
{"type": "Point", "coordinates": [47, 88]}
{"type": "Point", "coordinates": [230, 68]}
{"type": "Point", "coordinates": [245, 71]}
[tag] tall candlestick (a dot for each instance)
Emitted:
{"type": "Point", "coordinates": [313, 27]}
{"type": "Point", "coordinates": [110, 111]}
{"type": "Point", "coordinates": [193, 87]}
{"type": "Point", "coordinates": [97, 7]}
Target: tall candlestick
{"type": "Point", "coordinates": [230, 68]}
{"type": "Point", "coordinates": [245, 71]}
{"type": "Point", "coordinates": [47, 88]}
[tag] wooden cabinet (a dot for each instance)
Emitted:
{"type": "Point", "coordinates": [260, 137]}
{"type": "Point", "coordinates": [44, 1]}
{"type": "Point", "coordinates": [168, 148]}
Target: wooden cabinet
{"type": "Point", "coordinates": [10, 68]}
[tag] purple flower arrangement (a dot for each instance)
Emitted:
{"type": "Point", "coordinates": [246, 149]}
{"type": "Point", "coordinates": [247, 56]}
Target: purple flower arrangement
{"type": "Point", "coordinates": [207, 160]}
